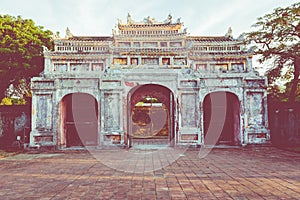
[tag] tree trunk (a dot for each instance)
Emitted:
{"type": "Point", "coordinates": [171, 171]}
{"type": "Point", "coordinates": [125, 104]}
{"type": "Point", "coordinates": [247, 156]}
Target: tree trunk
{"type": "Point", "coordinates": [293, 92]}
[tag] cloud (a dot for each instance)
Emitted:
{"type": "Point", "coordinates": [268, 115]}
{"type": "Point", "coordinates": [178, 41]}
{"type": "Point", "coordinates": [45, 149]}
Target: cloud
{"type": "Point", "coordinates": [98, 17]}
{"type": "Point", "coordinates": [218, 20]}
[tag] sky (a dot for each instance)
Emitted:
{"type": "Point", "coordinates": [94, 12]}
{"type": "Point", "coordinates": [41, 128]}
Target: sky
{"type": "Point", "coordinates": [99, 17]}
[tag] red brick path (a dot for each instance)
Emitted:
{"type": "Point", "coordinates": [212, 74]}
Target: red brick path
{"type": "Point", "coordinates": [238, 173]}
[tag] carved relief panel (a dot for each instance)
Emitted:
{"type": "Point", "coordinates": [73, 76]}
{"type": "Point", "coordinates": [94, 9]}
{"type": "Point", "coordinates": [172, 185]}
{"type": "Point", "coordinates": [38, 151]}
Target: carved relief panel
{"type": "Point", "coordinates": [44, 112]}
{"type": "Point", "coordinates": [111, 111]}
{"type": "Point", "coordinates": [255, 109]}
{"type": "Point", "coordinates": [188, 110]}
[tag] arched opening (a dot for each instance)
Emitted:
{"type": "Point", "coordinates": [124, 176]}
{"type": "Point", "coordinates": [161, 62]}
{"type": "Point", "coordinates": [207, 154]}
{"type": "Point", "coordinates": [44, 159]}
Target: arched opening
{"type": "Point", "coordinates": [79, 120]}
{"type": "Point", "coordinates": [151, 115]}
{"type": "Point", "coordinates": [230, 123]}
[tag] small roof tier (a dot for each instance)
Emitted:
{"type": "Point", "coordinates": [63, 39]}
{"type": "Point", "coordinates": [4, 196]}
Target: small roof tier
{"type": "Point", "coordinates": [150, 23]}
{"type": "Point", "coordinates": [90, 38]}
{"type": "Point", "coordinates": [211, 38]}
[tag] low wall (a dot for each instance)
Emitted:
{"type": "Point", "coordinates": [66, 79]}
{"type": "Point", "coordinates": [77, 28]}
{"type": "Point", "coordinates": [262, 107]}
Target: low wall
{"type": "Point", "coordinates": [284, 123]}
{"type": "Point", "coordinates": [14, 121]}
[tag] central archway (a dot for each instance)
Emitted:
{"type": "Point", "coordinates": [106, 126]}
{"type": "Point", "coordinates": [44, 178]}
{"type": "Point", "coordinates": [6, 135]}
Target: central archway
{"type": "Point", "coordinates": [150, 115]}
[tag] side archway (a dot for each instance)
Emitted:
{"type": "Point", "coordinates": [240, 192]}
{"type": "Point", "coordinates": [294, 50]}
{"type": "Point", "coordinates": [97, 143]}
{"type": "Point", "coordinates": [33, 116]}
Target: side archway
{"type": "Point", "coordinates": [78, 120]}
{"type": "Point", "coordinates": [230, 123]}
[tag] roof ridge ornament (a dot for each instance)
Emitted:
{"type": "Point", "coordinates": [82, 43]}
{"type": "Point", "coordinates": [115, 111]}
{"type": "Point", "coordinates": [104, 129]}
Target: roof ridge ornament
{"type": "Point", "coordinates": [56, 35]}
{"type": "Point", "coordinates": [229, 33]}
{"type": "Point", "coordinates": [169, 19]}
{"type": "Point", "coordinates": [148, 21]}
{"type": "Point", "coordinates": [45, 49]}
{"type": "Point", "coordinates": [68, 33]}
{"type": "Point", "coordinates": [129, 19]}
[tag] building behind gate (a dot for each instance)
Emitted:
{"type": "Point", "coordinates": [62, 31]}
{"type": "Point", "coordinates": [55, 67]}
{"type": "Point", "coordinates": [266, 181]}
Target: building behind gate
{"type": "Point", "coordinates": [150, 82]}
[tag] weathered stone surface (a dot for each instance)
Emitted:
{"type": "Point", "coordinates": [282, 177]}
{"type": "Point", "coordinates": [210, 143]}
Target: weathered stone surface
{"type": "Point", "coordinates": [182, 71]}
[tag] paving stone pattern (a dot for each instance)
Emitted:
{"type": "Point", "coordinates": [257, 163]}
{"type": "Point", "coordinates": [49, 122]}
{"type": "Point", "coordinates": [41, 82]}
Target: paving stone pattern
{"type": "Point", "coordinates": [231, 173]}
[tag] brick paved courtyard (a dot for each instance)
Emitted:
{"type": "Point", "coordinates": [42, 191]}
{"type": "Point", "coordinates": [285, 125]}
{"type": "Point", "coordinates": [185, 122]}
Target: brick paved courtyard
{"type": "Point", "coordinates": [230, 173]}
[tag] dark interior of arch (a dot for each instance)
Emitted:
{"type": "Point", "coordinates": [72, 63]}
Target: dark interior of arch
{"type": "Point", "coordinates": [231, 128]}
{"type": "Point", "coordinates": [80, 119]}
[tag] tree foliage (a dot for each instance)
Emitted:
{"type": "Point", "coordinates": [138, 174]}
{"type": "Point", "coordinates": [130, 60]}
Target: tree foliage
{"type": "Point", "coordinates": [21, 49]}
{"type": "Point", "coordinates": [8, 101]}
{"type": "Point", "coordinates": [277, 37]}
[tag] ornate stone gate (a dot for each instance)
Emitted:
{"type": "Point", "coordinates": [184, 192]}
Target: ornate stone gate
{"type": "Point", "coordinates": [148, 69]}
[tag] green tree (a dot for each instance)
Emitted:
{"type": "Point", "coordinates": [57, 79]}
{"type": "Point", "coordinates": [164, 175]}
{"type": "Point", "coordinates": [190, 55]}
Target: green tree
{"type": "Point", "coordinates": [277, 37]}
{"type": "Point", "coordinates": [276, 95]}
{"type": "Point", "coordinates": [21, 50]}
{"type": "Point", "coordinates": [288, 87]}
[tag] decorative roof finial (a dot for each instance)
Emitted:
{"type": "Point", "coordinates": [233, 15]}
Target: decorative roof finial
{"type": "Point", "coordinates": [56, 35]}
{"type": "Point", "coordinates": [185, 31]}
{"type": "Point", "coordinates": [129, 20]}
{"type": "Point", "coordinates": [169, 19]}
{"type": "Point", "coordinates": [45, 49]}
{"type": "Point", "coordinates": [119, 21]}
{"type": "Point", "coordinates": [68, 33]}
{"type": "Point", "coordinates": [229, 33]}
{"type": "Point", "coordinates": [149, 20]}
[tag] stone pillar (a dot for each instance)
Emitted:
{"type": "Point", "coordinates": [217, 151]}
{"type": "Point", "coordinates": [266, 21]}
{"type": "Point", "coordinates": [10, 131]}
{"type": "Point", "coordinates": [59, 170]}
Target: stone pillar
{"type": "Point", "coordinates": [33, 121]}
{"type": "Point", "coordinates": [128, 60]}
{"type": "Point", "coordinates": [172, 61]}
{"type": "Point", "coordinates": [68, 67]}
{"type": "Point", "coordinates": [139, 60]}
{"type": "Point", "coordinates": [189, 130]}
{"type": "Point", "coordinates": [160, 61]}
{"type": "Point", "coordinates": [48, 67]}
{"type": "Point", "coordinates": [249, 64]}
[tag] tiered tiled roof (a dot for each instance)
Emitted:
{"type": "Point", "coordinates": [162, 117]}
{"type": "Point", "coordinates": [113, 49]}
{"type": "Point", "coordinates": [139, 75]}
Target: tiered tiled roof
{"type": "Point", "coordinates": [210, 38]}
{"type": "Point", "coordinates": [90, 38]}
